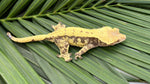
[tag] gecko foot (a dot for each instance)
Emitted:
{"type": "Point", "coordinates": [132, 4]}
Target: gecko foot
{"type": "Point", "coordinates": [58, 26]}
{"type": "Point", "coordinates": [78, 56]}
{"type": "Point", "coordinates": [65, 56]}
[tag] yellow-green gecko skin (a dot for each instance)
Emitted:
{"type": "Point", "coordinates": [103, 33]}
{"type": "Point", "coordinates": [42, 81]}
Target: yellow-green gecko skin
{"type": "Point", "coordinates": [76, 36]}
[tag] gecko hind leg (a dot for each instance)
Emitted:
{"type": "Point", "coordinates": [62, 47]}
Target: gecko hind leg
{"type": "Point", "coordinates": [58, 26]}
{"type": "Point", "coordinates": [83, 50]}
{"type": "Point", "coordinates": [64, 48]}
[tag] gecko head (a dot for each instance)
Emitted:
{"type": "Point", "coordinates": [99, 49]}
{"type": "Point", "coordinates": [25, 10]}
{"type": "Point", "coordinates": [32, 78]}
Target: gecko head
{"type": "Point", "coordinates": [111, 36]}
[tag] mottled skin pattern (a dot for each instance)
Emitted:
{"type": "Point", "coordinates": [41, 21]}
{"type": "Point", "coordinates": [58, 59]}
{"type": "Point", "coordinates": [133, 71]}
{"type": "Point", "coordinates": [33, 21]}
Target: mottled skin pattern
{"type": "Point", "coordinates": [76, 36]}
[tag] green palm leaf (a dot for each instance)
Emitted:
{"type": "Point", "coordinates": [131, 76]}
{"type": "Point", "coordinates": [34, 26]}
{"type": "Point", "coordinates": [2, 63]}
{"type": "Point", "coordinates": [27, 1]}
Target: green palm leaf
{"type": "Point", "coordinates": [36, 63]}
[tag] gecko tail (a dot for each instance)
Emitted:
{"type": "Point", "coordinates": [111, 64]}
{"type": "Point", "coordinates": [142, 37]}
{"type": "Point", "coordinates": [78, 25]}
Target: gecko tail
{"type": "Point", "coordinates": [14, 38]}
{"type": "Point", "coordinates": [28, 39]}
{"type": "Point", "coordinates": [9, 35]}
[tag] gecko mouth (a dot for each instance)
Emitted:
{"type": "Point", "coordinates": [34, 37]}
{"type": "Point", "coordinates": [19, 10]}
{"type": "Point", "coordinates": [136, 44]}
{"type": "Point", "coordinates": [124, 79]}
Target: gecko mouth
{"type": "Point", "coordinates": [122, 38]}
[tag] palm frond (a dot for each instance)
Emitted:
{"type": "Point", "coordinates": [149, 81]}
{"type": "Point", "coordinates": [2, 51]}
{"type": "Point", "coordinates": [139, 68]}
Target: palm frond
{"type": "Point", "coordinates": [37, 62]}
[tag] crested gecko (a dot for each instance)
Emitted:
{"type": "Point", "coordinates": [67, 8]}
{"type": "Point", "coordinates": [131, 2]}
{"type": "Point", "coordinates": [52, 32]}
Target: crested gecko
{"type": "Point", "coordinates": [64, 36]}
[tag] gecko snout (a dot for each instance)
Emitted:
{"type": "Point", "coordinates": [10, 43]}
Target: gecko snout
{"type": "Point", "coordinates": [122, 37]}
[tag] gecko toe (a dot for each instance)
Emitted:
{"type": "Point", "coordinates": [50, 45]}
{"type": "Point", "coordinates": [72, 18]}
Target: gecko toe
{"type": "Point", "coordinates": [78, 56]}
{"type": "Point", "coordinates": [59, 56]}
{"type": "Point", "coordinates": [65, 56]}
{"type": "Point", "coordinates": [68, 60]}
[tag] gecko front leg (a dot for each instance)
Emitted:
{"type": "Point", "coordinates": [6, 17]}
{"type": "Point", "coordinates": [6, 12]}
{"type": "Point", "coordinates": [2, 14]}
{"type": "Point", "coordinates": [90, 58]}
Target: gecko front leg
{"type": "Point", "coordinates": [83, 50]}
{"type": "Point", "coordinates": [63, 46]}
